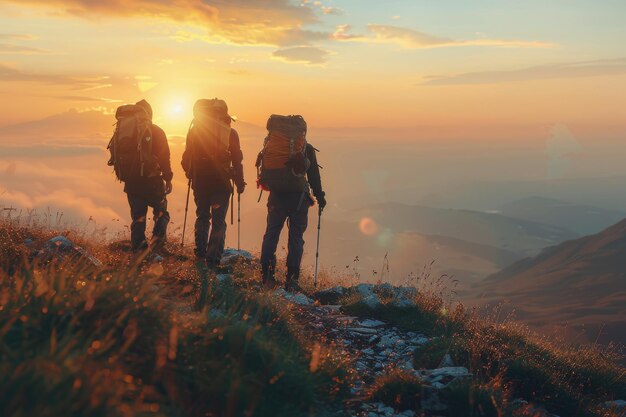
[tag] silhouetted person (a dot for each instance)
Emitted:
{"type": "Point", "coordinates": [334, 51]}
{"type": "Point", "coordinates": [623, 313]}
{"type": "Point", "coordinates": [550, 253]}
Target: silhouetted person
{"type": "Point", "coordinates": [288, 169]}
{"type": "Point", "coordinates": [140, 156]}
{"type": "Point", "coordinates": [212, 159]}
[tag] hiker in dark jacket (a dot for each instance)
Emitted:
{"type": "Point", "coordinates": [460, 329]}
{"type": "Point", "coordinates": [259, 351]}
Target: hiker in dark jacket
{"type": "Point", "coordinates": [212, 159]}
{"type": "Point", "coordinates": [292, 207]}
{"type": "Point", "coordinates": [150, 190]}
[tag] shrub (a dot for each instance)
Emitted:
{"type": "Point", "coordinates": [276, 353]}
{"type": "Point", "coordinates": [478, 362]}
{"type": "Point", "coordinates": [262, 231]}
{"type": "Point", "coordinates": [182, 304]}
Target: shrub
{"type": "Point", "coordinates": [401, 390]}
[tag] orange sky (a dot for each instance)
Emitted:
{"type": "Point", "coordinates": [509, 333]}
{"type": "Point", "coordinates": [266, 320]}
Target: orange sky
{"type": "Point", "coordinates": [449, 67]}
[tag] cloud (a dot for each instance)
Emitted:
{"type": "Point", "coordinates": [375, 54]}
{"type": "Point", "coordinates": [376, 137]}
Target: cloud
{"type": "Point", "coordinates": [564, 70]}
{"type": "Point", "coordinates": [302, 54]}
{"type": "Point", "coordinates": [251, 22]}
{"type": "Point", "coordinates": [7, 48]}
{"type": "Point", "coordinates": [17, 37]}
{"type": "Point", "coordinates": [49, 151]}
{"type": "Point", "coordinates": [341, 34]}
{"type": "Point", "coordinates": [410, 38]}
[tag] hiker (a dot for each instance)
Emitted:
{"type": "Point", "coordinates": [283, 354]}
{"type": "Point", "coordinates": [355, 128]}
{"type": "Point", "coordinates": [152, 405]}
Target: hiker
{"type": "Point", "coordinates": [287, 168]}
{"type": "Point", "coordinates": [212, 159]}
{"type": "Point", "coordinates": [140, 156]}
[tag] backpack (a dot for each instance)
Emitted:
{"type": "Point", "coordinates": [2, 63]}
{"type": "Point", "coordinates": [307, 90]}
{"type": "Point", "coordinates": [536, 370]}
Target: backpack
{"type": "Point", "coordinates": [282, 163]}
{"type": "Point", "coordinates": [131, 145]}
{"type": "Point", "coordinates": [211, 134]}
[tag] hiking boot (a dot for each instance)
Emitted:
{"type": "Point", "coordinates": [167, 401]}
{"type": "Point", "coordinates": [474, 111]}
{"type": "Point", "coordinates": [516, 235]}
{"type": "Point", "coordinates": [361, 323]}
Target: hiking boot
{"type": "Point", "coordinates": [291, 283]}
{"type": "Point", "coordinates": [267, 272]}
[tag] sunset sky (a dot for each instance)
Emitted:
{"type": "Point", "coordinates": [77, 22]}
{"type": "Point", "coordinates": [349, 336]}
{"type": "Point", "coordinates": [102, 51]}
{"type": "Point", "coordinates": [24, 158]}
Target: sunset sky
{"type": "Point", "coordinates": [446, 66]}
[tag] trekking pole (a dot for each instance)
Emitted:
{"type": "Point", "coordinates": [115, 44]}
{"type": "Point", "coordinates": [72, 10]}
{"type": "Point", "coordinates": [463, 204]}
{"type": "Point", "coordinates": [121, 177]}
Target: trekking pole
{"type": "Point", "coordinates": [317, 252]}
{"type": "Point", "coordinates": [182, 242]}
{"type": "Point", "coordinates": [232, 208]}
{"type": "Point", "coordinates": [238, 221]}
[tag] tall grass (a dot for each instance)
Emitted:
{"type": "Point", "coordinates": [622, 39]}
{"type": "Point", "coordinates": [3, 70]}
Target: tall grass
{"type": "Point", "coordinates": [123, 341]}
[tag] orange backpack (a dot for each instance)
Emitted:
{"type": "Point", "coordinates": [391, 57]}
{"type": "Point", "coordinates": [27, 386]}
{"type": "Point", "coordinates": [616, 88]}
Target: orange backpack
{"type": "Point", "coordinates": [282, 163]}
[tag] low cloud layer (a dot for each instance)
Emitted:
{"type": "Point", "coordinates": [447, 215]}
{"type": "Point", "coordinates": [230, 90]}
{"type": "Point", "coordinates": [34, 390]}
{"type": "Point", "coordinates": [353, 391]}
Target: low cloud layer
{"type": "Point", "coordinates": [565, 70]}
{"type": "Point", "coordinates": [302, 54]}
{"type": "Point", "coordinates": [410, 38]}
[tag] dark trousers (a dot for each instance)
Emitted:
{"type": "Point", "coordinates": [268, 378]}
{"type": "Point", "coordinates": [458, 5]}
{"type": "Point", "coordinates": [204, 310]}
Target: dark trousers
{"type": "Point", "coordinates": [210, 206]}
{"type": "Point", "coordinates": [293, 207]}
{"type": "Point", "coordinates": [139, 203]}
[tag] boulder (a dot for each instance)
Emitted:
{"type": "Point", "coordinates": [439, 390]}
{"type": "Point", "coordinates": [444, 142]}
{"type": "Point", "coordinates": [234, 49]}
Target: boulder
{"type": "Point", "coordinates": [60, 248]}
{"type": "Point", "coordinates": [232, 256]}
{"type": "Point", "coordinates": [365, 290]}
{"type": "Point", "coordinates": [371, 301]}
{"type": "Point", "coordinates": [330, 295]}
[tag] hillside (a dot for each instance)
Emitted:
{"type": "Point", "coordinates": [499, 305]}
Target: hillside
{"type": "Point", "coordinates": [495, 230]}
{"type": "Point", "coordinates": [581, 282]}
{"type": "Point", "coordinates": [579, 218]}
{"type": "Point", "coordinates": [96, 332]}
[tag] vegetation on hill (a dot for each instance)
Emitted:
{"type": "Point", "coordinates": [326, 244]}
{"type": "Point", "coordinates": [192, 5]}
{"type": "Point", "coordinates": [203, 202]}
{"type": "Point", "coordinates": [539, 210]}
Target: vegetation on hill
{"type": "Point", "coordinates": [140, 338]}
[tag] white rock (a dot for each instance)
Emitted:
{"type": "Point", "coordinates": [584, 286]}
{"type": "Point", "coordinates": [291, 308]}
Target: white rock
{"type": "Point", "coordinates": [371, 301]}
{"type": "Point", "coordinates": [446, 361]}
{"type": "Point", "coordinates": [365, 289]}
{"type": "Point", "coordinates": [371, 323]}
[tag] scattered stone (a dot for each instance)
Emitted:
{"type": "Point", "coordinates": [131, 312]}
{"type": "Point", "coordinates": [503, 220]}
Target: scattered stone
{"type": "Point", "coordinates": [615, 405]}
{"type": "Point", "coordinates": [223, 278]}
{"type": "Point", "coordinates": [60, 247]}
{"type": "Point", "coordinates": [330, 296]}
{"type": "Point", "coordinates": [362, 330]}
{"type": "Point", "coordinates": [231, 256]}
{"type": "Point", "coordinates": [371, 323]}
{"type": "Point", "coordinates": [371, 301]}
{"type": "Point", "coordinates": [365, 290]}
{"type": "Point", "coordinates": [446, 361]}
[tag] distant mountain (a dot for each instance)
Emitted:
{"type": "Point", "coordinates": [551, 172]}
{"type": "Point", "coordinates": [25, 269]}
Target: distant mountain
{"type": "Point", "coordinates": [491, 229]}
{"type": "Point", "coordinates": [580, 282]}
{"type": "Point", "coordinates": [70, 124]}
{"type": "Point", "coordinates": [579, 218]}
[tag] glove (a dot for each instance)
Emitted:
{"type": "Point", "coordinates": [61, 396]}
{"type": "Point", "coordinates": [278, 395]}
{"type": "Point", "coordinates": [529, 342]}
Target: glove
{"type": "Point", "coordinates": [241, 187]}
{"type": "Point", "coordinates": [168, 187]}
{"type": "Point", "coordinates": [321, 200]}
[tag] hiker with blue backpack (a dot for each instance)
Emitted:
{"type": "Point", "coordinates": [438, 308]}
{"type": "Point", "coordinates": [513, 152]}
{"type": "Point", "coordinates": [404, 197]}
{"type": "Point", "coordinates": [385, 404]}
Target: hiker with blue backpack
{"type": "Point", "coordinates": [287, 168]}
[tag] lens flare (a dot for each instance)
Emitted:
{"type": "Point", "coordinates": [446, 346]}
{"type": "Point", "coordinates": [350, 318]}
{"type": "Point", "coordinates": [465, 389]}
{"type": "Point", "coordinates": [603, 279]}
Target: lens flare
{"type": "Point", "coordinates": [368, 226]}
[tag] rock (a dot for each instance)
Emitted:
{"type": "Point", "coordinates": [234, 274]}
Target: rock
{"type": "Point", "coordinates": [387, 341]}
{"type": "Point", "coordinates": [298, 298]}
{"type": "Point", "coordinates": [442, 377]}
{"type": "Point", "coordinates": [362, 330]}
{"type": "Point", "coordinates": [371, 323]}
{"type": "Point", "coordinates": [60, 247]}
{"type": "Point", "coordinates": [371, 301]}
{"type": "Point", "coordinates": [280, 292]}
{"type": "Point", "coordinates": [330, 295]}
{"type": "Point", "coordinates": [223, 278]}
{"type": "Point", "coordinates": [231, 256]}
{"type": "Point", "coordinates": [404, 297]}
{"type": "Point", "coordinates": [615, 405]}
{"type": "Point", "coordinates": [365, 290]}
{"type": "Point", "coordinates": [446, 361]}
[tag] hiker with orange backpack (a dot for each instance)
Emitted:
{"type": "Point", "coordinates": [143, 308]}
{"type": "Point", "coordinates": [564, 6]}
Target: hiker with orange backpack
{"type": "Point", "coordinates": [140, 156]}
{"type": "Point", "coordinates": [212, 160]}
{"type": "Point", "coordinates": [287, 168]}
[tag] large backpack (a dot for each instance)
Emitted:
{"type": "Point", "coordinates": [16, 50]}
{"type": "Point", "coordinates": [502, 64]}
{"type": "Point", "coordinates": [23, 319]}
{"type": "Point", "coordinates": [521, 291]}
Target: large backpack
{"type": "Point", "coordinates": [211, 134]}
{"type": "Point", "coordinates": [131, 145]}
{"type": "Point", "coordinates": [282, 164]}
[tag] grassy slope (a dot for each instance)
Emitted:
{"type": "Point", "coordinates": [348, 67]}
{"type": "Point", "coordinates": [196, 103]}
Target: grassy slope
{"type": "Point", "coordinates": [163, 340]}
{"type": "Point", "coordinates": [126, 341]}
